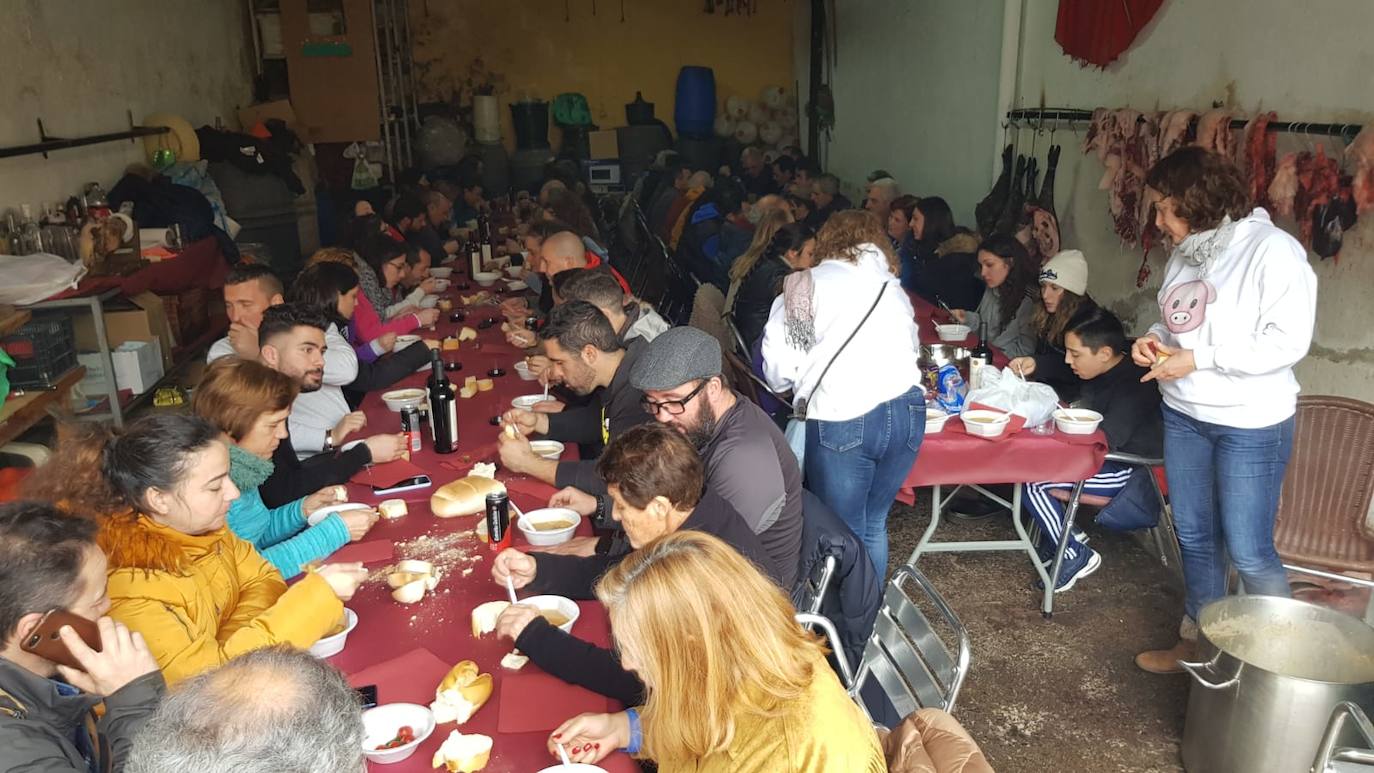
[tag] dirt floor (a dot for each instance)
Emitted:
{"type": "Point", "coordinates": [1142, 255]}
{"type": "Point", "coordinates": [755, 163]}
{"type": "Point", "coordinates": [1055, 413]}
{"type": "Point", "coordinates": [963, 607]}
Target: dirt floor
{"type": "Point", "coordinates": [1060, 694]}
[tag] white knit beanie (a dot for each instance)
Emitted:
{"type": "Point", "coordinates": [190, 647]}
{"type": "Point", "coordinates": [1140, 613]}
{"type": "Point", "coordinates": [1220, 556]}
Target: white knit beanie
{"type": "Point", "coordinates": [1069, 270]}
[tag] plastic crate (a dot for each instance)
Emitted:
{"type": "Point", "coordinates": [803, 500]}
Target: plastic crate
{"type": "Point", "coordinates": [44, 350]}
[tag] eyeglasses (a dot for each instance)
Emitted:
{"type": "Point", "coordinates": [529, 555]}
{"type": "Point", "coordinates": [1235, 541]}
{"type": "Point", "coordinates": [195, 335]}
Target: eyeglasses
{"type": "Point", "coordinates": [673, 407]}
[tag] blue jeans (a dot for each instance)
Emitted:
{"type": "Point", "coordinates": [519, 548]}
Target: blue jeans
{"type": "Point", "coordinates": [857, 466]}
{"type": "Point", "coordinates": [1224, 488]}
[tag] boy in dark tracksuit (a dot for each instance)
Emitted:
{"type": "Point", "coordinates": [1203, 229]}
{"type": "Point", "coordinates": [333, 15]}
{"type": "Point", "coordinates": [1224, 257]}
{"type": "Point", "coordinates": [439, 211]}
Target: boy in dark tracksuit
{"type": "Point", "coordinates": [1097, 350]}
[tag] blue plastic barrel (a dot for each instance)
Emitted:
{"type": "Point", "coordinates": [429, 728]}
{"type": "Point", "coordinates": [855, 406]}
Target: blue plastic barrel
{"type": "Point", "coordinates": [695, 109]}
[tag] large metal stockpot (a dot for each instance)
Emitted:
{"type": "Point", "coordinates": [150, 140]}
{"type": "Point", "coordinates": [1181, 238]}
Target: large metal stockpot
{"type": "Point", "coordinates": [1271, 671]}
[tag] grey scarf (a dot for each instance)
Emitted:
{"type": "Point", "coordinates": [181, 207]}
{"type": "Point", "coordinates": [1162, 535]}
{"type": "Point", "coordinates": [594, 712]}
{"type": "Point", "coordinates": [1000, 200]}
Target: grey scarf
{"type": "Point", "coordinates": [1201, 249]}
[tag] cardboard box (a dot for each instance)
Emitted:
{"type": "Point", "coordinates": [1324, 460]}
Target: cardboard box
{"type": "Point", "coordinates": [137, 365]}
{"type": "Point", "coordinates": [140, 318]}
{"type": "Point", "coordinates": [604, 144]}
{"type": "Point", "coordinates": [94, 383]}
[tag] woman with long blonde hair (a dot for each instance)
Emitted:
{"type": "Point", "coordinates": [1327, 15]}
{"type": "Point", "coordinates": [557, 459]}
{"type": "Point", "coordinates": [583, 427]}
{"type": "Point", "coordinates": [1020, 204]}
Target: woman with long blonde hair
{"type": "Point", "coordinates": [734, 684]}
{"type": "Point", "coordinates": [842, 338]}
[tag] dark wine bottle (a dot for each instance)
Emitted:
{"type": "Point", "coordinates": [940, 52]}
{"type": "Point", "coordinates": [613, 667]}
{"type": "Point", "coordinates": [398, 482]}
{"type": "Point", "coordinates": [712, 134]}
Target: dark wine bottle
{"type": "Point", "coordinates": [484, 236]}
{"type": "Point", "coordinates": [443, 408]}
{"type": "Point", "coordinates": [980, 357]}
{"type": "Point", "coordinates": [474, 257]}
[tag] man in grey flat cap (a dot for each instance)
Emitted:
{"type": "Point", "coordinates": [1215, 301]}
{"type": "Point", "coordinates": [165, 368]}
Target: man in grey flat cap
{"type": "Point", "coordinates": [747, 459]}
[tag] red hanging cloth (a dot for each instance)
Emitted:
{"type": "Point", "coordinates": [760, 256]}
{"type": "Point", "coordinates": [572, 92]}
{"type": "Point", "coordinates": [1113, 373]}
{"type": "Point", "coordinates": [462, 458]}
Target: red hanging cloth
{"type": "Point", "coordinates": [1096, 32]}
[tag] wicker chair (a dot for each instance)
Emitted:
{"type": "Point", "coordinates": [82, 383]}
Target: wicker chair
{"type": "Point", "coordinates": [1323, 524]}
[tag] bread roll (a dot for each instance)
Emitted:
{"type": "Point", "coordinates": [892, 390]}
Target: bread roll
{"type": "Point", "coordinates": [514, 661]}
{"type": "Point", "coordinates": [465, 496]}
{"type": "Point", "coordinates": [484, 617]}
{"type": "Point", "coordinates": [462, 692]}
{"type": "Point", "coordinates": [392, 508]}
{"type": "Point", "coordinates": [467, 334]}
{"type": "Point", "coordinates": [463, 753]}
{"type": "Point", "coordinates": [467, 391]}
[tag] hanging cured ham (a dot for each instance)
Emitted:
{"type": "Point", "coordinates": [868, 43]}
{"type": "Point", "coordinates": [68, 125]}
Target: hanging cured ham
{"type": "Point", "coordinates": [1361, 151]}
{"type": "Point", "coordinates": [1096, 32]}
{"type": "Point", "coordinates": [986, 212]}
{"type": "Point", "coordinates": [1259, 162]}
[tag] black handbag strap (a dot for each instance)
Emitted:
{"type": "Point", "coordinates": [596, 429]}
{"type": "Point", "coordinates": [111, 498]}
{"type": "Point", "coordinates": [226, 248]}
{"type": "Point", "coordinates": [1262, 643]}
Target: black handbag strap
{"type": "Point", "coordinates": [800, 411]}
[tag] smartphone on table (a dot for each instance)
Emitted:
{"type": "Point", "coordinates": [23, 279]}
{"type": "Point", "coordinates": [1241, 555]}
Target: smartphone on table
{"type": "Point", "coordinates": [44, 642]}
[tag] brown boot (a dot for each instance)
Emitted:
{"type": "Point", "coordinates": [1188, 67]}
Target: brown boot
{"type": "Point", "coordinates": [1166, 661]}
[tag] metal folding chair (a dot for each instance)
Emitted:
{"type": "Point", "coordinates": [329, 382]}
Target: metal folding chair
{"type": "Point", "coordinates": [1347, 759]}
{"type": "Point", "coordinates": [1165, 538]}
{"type": "Point", "coordinates": [811, 621]}
{"type": "Point", "coordinates": [915, 667]}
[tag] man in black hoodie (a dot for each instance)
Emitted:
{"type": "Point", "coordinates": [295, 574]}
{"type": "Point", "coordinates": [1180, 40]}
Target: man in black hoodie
{"type": "Point", "coordinates": [1097, 350]}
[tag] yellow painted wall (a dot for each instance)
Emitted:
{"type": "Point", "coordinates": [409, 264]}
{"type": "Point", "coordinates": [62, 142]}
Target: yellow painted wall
{"type": "Point", "coordinates": [539, 52]}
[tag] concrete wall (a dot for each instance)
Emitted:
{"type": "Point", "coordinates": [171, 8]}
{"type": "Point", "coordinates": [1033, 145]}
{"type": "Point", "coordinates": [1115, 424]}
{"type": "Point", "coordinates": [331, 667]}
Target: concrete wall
{"type": "Point", "coordinates": [915, 87]}
{"type": "Point", "coordinates": [79, 66]}
{"type": "Point", "coordinates": [543, 54]}
{"type": "Point", "coordinates": [1308, 62]}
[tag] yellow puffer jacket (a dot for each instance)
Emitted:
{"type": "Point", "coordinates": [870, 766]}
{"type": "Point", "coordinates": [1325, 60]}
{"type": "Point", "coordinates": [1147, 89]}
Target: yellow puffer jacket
{"type": "Point", "coordinates": [201, 600]}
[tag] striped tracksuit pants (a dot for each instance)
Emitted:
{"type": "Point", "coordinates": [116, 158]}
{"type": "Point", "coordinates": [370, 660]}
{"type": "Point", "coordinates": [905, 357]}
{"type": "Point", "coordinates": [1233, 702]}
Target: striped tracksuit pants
{"type": "Point", "coordinates": [1048, 512]}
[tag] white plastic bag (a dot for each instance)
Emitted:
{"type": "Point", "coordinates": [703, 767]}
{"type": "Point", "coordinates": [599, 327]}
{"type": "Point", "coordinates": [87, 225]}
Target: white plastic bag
{"type": "Point", "coordinates": [1006, 391]}
{"type": "Point", "coordinates": [31, 278]}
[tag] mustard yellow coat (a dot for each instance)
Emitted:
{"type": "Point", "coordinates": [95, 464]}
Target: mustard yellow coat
{"type": "Point", "coordinates": [823, 731]}
{"type": "Point", "coordinates": [201, 600]}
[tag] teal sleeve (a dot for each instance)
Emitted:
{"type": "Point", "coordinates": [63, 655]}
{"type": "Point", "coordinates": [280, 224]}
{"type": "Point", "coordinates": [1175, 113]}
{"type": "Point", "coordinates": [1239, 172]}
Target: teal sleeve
{"type": "Point", "coordinates": [283, 522]}
{"type": "Point", "coordinates": [316, 542]}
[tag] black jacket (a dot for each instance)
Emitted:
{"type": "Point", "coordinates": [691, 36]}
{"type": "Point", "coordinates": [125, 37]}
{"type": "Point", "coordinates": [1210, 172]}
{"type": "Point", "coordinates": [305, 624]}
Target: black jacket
{"type": "Point", "coordinates": [1130, 410]}
{"type": "Point", "coordinates": [616, 409]}
{"type": "Point", "coordinates": [818, 217]}
{"type": "Point", "coordinates": [947, 272]}
{"type": "Point", "coordinates": [383, 372]}
{"type": "Point", "coordinates": [855, 592]}
{"type": "Point", "coordinates": [754, 301]}
{"type": "Point", "coordinates": [39, 726]}
{"type": "Point", "coordinates": [292, 478]}
{"type": "Point", "coordinates": [596, 668]}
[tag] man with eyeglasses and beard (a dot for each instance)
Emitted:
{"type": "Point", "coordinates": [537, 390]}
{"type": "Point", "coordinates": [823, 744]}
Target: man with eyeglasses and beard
{"type": "Point", "coordinates": [747, 459]}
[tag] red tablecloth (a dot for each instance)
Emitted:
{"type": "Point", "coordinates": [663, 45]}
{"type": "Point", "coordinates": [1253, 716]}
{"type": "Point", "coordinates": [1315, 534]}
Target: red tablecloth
{"type": "Point", "coordinates": [925, 326]}
{"type": "Point", "coordinates": [440, 623]}
{"type": "Point", "coordinates": [200, 264]}
{"type": "Point", "coordinates": [952, 457]}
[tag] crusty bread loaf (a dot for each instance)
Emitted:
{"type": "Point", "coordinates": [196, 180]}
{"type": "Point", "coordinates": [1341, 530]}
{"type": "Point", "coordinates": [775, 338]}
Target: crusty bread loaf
{"type": "Point", "coordinates": [463, 753]}
{"type": "Point", "coordinates": [465, 496]}
{"type": "Point", "coordinates": [484, 617]}
{"type": "Point", "coordinates": [462, 692]}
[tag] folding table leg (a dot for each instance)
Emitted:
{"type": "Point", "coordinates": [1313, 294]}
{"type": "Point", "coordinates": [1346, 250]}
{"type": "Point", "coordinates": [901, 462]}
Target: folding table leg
{"type": "Point", "coordinates": [1065, 534]}
{"type": "Point", "coordinates": [935, 507]}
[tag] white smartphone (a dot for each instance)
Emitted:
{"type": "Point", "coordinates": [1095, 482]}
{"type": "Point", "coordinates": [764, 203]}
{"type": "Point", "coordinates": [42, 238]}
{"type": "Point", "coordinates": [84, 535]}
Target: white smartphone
{"type": "Point", "coordinates": [408, 484]}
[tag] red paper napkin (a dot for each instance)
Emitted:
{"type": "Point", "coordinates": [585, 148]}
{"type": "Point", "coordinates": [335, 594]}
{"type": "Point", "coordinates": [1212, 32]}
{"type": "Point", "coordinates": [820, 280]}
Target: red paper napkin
{"type": "Point", "coordinates": [386, 475]}
{"type": "Point", "coordinates": [538, 702]}
{"type": "Point", "coordinates": [374, 551]}
{"type": "Point", "coordinates": [408, 678]}
{"type": "Point", "coordinates": [536, 489]}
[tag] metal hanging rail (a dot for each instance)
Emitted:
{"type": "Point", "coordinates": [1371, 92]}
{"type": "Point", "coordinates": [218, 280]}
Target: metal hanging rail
{"type": "Point", "coordinates": [1075, 115]}
{"type": "Point", "coordinates": [48, 143]}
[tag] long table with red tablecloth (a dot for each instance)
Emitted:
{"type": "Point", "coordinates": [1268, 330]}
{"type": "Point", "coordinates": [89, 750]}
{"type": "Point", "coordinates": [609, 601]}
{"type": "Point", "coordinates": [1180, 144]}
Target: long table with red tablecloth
{"type": "Point", "coordinates": [406, 649]}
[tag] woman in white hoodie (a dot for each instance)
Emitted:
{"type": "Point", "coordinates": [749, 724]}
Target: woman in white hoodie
{"type": "Point", "coordinates": [842, 337]}
{"type": "Point", "coordinates": [1237, 309]}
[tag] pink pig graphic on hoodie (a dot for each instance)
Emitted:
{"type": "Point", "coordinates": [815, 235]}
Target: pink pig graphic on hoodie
{"type": "Point", "coordinates": [1185, 307]}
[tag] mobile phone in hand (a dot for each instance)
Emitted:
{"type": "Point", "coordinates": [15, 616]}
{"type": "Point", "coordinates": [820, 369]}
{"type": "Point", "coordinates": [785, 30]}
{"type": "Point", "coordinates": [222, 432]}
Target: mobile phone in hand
{"type": "Point", "coordinates": [43, 640]}
{"type": "Point", "coordinates": [368, 695]}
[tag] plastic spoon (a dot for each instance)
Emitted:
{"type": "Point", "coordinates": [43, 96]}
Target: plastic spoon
{"type": "Point", "coordinates": [510, 588]}
{"type": "Point", "coordinates": [563, 755]}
